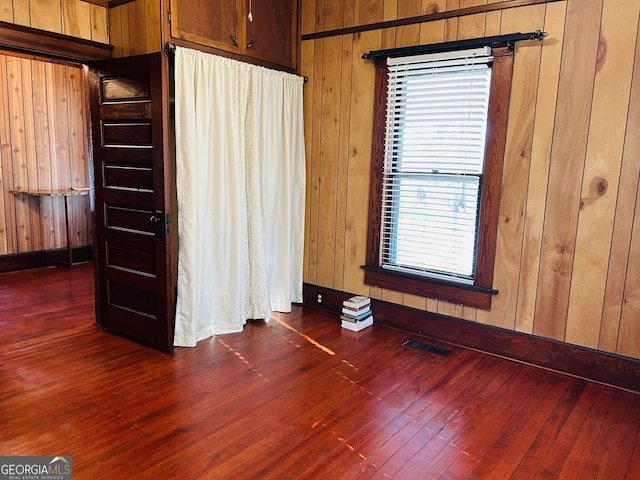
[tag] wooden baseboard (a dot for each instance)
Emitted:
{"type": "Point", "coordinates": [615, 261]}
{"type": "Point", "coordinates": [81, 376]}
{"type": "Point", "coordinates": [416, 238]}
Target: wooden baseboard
{"type": "Point", "coordinates": [609, 369]}
{"type": "Point", "coordinates": [43, 258]}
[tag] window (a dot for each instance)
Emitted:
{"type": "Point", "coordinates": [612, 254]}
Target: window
{"type": "Point", "coordinates": [439, 137]}
{"type": "Point", "coordinates": [436, 125]}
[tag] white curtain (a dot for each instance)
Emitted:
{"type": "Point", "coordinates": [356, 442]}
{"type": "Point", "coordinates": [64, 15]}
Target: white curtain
{"type": "Point", "coordinates": [240, 168]}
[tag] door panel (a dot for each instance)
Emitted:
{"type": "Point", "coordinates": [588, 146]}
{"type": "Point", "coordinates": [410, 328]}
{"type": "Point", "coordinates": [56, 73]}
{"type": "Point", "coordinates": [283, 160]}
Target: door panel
{"type": "Point", "coordinates": [126, 134]}
{"type": "Point", "coordinates": [130, 112]}
{"type": "Point", "coordinates": [130, 251]}
{"type": "Point", "coordinates": [207, 22]}
{"type": "Point", "coordinates": [271, 35]}
{"type": "Point", "coordinates": [116, 176]}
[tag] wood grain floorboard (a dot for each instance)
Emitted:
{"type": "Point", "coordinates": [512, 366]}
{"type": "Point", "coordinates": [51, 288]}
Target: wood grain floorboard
{"type": "Point", "coordinates": [296, 397]}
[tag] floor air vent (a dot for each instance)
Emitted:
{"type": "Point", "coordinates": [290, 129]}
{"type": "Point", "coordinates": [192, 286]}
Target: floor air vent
{"type": "Point", "coordinates": [426, 347]}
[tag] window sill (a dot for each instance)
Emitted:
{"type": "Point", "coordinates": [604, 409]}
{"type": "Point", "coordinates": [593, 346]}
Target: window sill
{"type": "Point", "coordinates": [468, 295]}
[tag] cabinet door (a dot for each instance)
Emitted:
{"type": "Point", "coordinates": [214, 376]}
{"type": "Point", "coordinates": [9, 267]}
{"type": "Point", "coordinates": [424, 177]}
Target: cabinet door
{"type": "Point", "coordinates": [271, 35]}
{"type": "Point", "coordinates": [212, 23]}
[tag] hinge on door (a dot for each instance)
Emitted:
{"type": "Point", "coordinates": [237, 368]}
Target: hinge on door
{"type": "Point", "coordinates": [169, 17]}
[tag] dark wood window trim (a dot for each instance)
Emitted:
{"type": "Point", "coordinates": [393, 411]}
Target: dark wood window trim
{"type": "Point", "coordinates": [35, 41]}
{"type": "Point", "coordinates": [480, 294]}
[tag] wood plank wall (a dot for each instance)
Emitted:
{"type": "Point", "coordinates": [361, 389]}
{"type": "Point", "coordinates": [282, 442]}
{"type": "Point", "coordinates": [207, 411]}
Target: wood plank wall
{"type": "Point", "coordinates": [44, 141]}
{"type": "Point", "coordinates": [43, 144]}
{"type": "Point", "coordinates": [68, 17]}
{"type": "Point", "coordinates": [136, 28]}
{"type": "Point", "coordinates": [568, 253]}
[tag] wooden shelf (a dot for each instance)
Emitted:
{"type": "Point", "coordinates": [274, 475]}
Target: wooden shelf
{"type": "Point", "coordinates": [66, 193]}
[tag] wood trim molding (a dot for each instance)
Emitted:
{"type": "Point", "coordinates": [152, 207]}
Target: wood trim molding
{"type": "Point", "coordinates": [456, 294]}
{"type": "Point", "coordinates": [430, 17]}
{"type": "Point", "coordinates": [377, 162]}
{"type": "Point", "coordinates": [117, 3]}
{"type": "Point", "coordinates": [600, 367]}
{"type": "Point", "coordinates": [498, 120]}
{"type": "Point", "coordinates": [100, 3]}
{"type": "Point", "coordinates": [43, 258]}
{"type": "Point", "coordinates": [108, 3]}
{"type": "Point", "coordinates": [32, 40]}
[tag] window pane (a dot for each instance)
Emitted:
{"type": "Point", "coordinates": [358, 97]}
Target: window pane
{"type": "Point", "coordinates": [439, 125]}
{"type": "Point", "coordinates": [432, 224]}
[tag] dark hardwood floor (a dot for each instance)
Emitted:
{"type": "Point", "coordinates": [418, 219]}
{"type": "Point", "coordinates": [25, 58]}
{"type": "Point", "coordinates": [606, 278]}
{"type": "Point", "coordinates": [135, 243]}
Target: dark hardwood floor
{"type": "Point", "coordinates": [297, 397]}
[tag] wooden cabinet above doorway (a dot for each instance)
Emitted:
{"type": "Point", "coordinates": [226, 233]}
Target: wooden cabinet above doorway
{"type": "Point", "coordinates": [252, 28]}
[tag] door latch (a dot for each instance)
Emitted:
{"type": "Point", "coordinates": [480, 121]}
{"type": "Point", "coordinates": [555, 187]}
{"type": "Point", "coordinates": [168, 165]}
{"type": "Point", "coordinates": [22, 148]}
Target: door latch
{"type": "Point", "coordinates": [160, 225]}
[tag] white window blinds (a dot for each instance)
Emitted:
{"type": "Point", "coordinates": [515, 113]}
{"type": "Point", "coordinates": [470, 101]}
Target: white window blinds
{"type": "Point", "coordinates": [436, 125]}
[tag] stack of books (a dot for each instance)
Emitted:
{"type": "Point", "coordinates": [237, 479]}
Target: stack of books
{"type": "Point", "coordinates": [356, 313]}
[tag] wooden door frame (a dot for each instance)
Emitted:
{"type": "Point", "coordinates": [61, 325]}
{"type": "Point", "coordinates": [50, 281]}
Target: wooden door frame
{"type": "Point", "coordinates": [51, 47]}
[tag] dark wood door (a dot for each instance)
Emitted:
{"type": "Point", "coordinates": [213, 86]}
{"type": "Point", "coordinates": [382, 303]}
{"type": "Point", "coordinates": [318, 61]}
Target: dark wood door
{"type": "Point", "coordinates": [130, 129]}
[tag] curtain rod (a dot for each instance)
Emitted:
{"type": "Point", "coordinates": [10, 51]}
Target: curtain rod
{"type": "Point", "coordinates": [170, 49]}
{"type": "Point", "coordinates": [495, 41]}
